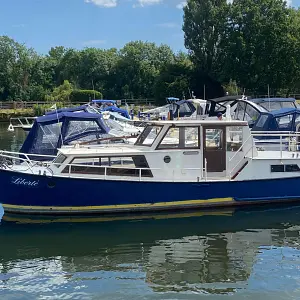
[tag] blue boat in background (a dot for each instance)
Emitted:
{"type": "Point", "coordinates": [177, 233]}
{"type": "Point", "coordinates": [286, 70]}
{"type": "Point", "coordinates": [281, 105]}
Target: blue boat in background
{"type": "Point", "coordinates": [110, 105]}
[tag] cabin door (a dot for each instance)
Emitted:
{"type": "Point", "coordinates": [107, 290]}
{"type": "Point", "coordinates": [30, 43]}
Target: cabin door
{"type": "Point", "coordinates": [214, 148]}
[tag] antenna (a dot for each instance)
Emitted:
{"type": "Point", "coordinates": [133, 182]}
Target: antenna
{"type": "Point", "coordinates": [190, 92]}
{"type": "Point", "coordinates": [269, 95]}
{"type": "Point", "coordinates": [94, 89]}
{"type": "Point", "coordinates": [204, 92]}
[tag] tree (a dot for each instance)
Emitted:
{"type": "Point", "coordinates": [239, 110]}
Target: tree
{"type": "Point", "coordinates": [204, 26]}
{"type": "Point", "coordinates": [61, 93]}
{"type": "Point", "coordinates": [174, 79]}
{"type": "Point", "coordinates": [138, 66]}
{"type": "Point", "coordinates": [258, 48]}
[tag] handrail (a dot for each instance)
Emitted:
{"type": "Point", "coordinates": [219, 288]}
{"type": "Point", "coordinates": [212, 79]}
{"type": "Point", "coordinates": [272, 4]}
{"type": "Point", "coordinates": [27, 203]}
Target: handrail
{"type": "Point", "coordinates": [31, 163]}
{"type": "Point", "coordinates": [239, 150]}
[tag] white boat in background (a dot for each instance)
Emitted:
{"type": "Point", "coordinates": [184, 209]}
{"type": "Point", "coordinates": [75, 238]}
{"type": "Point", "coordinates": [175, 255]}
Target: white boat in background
{"type": "Point", "coordinates": [24, 123]}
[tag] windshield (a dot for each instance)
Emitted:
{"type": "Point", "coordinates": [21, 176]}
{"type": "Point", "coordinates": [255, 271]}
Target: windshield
{"type": "Point", "coordinates": [277, 105]}
{"type": "Point", "coordinates": [148, 136]}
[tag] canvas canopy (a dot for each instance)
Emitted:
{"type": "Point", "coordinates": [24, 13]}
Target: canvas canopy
{"type": "Point", "coordinates": [52, 131]}
{"type": "Point", "coordinates": [285, 119]}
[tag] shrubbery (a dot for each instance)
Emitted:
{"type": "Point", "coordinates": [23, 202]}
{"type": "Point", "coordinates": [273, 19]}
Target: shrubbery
{"type": "Point", "coordinates": [40, 110]}
{"type": "Point", "coordinates": [84, 95]}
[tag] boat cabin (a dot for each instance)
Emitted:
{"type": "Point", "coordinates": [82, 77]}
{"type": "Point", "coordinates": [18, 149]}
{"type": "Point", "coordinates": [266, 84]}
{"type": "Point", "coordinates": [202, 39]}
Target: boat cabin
{"type": "Point", "coordinates": [165, 150]}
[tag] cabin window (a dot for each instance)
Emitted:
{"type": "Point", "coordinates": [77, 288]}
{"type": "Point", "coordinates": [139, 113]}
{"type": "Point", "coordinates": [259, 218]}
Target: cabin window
{"type": "Point", "coordinates": [184, 108]}
{"type": "Point", "coordinates": [148, 136]}
{"type": "Point", "coordinates": [284, 122]}
{"type": "Point", "coordinates": [297, 121]}
{"type": "Point", "coordinates": [214, 139]}
{"type": "Point", "coordinates": [180, 138]}
{"type": "Point", "coordinates": [240, 110]}
{"type": "Point", "coordinates": [261, 121]}
{"type": "Point", "coordinates": [251, 114]}
{"type": "Point", "coordinates": [292, 168]}
{"type": "Point", "coordinates": [115, 166]}
{"type": "Point", "coordinates": [59, 160]}
{"type": "Point", "coordinates": [276, 105]}
{"type": "Point", "coordinates": [285, 168]}
{"type": "Point", "coordinates": [75, 128]}
{"type": "Point", "coordinates": [46, 139]}
{"type": "Point", "coordinates": [234, 138]}
{"type": "Point", "coordinates": [277, 168]}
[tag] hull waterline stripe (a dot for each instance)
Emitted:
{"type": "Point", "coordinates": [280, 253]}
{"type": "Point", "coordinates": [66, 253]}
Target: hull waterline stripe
{"type": "Point", "coordinates": [22, 220]}
{"type": "Point", "coordinates": [117, 207]}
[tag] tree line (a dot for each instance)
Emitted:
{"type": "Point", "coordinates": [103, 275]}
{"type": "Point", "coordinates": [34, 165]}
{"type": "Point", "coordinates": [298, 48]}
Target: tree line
{"type": "Point", "coordinates": [233, 46]}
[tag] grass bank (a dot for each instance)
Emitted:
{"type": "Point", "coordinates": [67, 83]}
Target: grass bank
{"type": "Point", "coordinates": [6, 114]}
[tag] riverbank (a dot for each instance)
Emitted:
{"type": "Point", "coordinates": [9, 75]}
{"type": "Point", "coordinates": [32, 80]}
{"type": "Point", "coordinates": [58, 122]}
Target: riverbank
{"type": "Point", "coordinates": [6, 114]}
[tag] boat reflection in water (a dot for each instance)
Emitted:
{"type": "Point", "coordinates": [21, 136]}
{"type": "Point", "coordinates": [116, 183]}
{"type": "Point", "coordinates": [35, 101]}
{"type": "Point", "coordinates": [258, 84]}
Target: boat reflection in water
{"type": "Point", "coordinates": [236, 252]}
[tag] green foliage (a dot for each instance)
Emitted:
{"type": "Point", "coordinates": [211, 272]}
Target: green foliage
{"type": "Point", "coordinates": [232, 89]}
{"type": "Point", "coordinates": [6, 114]}
{"type": "Point", "coordinates": [84, 95]}
{"type": "Point", "coordinates": [254, 43]}
{"type": "Point", "coordinates": [61, 93]}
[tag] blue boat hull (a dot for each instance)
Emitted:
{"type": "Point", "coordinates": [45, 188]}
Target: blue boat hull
{"type": "Point", "coordinates": [27, 193]}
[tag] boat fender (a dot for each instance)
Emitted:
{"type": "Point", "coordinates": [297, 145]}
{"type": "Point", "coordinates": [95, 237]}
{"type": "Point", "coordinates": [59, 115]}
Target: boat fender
{"type": "Point", "coordinates": [10, 128]}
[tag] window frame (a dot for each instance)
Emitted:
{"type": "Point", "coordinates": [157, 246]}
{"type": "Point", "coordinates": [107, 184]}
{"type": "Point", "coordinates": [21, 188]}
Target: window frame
{"type": "Point", "coordinates": [145, 171]}
{"type": "Point", "coordinates": [137, 143]}
{"type": "Point", "coordinates": [180, 148]}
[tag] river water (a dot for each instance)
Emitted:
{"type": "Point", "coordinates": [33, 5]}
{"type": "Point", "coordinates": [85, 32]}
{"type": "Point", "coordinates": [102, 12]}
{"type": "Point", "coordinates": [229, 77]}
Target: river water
{"type": "Point", "coordinates": [232, 254]}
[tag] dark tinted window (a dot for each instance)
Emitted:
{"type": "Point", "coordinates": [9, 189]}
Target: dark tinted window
{"type": "Point", "coordinates": [292, 168]}
{"type": "Point", "coordinates": [277, 168]}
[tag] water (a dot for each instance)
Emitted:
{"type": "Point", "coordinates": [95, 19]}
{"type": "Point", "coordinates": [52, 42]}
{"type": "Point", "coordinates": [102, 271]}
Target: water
{"type": "Point", "coordinates": [234, 254]}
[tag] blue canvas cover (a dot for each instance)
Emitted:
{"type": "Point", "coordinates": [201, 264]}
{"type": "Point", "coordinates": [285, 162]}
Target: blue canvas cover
{"type": "Point", "coordinates": [51, 131]}
{"type": "Point", "coordinates": [121, 111]}
{"type": "Point", "coordinates": [183, 108]}
{"type": "Point", "coordinates": [172, 99]}
{"type": "Point", "coordinates": [261, 100]}
{"type": "Point", "coordinates": [285, 119]}
{"type": "Point", "coordinates": [82, 108]}
{"type": "Point", "coordinates": [104, 101]}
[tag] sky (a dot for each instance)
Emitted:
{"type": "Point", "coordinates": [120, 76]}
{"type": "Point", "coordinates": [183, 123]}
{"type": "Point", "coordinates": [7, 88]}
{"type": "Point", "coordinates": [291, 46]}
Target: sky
{"type": "Point", "coordinates": [43, 24]}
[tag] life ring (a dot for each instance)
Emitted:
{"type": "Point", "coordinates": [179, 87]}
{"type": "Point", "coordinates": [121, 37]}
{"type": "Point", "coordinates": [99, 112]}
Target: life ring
{"type": "Point", "coordinates": [10, 128]}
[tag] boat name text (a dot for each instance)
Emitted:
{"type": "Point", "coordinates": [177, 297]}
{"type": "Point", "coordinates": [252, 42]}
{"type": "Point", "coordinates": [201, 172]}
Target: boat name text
{"type": "Point", "coordinates": [24, 182]}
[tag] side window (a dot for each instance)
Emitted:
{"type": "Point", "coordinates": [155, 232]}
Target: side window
{"type": "Point", "coordinates": [111, 166]}
{"type": "Point", "coordinates": [261, 121]}
{"type": "Point", "coordinates": [214, 139]}
{"type": "Point", "coordinates": [285, 122]}
{"type": "Point", "coordinates": [297, 121]}
{"type": "Point", "coordinates": [240, 111]}
{"type": "Point", "coordinates": [251, 114]}
{"type": "Point", "coordinates": [234, 138]}
{"type": "Point", "coordinates": [181, 138]}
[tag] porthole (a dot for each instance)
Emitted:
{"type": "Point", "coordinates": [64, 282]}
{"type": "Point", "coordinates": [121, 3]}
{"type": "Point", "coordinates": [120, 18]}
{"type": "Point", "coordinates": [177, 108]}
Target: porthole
{"type": "Point", "coordinates": [51, 184]}
{"type": "Point", "coordinates": [167, 159]}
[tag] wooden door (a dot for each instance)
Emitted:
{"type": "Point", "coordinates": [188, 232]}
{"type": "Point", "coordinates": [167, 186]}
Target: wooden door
{"type": "Point", "coordinates": [214, 148]}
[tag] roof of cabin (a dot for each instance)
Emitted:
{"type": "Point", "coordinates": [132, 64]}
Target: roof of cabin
{"type": "Point", "coordinates": [262, 100]}
{"type": "Point", "coordinates": [88, 151]}
{"type": "Point", "coordinates": [283, 111]}
{"type": "Point", "coordinates": [200, 122]}
{"type": "Point", "coordinates": [71, 115]}
{"type": "Point", "coordinates": [228, 98]}
{"type": "Point", "coordinates": [104, 101]}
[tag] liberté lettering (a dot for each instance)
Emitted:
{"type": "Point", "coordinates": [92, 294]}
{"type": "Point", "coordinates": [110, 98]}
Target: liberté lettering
{"type": "Point", "coordinates": [22, 181]}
